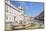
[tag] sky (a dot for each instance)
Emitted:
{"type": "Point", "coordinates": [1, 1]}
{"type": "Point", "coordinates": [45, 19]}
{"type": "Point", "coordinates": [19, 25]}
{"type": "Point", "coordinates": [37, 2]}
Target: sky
{"type": "Point", "coordinates": [30, 0]}
{"type": "Point", "coordinates": [30, 8]}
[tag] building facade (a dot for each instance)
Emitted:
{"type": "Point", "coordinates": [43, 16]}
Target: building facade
{"type": "Point", "coordinates": [10, 12]}
{"type": "Point", "coordinates": [40, 17]}
{"type": "Point", "coordinates": [14, 14]}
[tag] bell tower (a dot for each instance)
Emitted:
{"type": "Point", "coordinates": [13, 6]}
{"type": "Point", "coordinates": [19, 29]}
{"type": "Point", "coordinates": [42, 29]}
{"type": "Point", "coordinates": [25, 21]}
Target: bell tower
{"type": "Point", "coordinates": [21, 9]}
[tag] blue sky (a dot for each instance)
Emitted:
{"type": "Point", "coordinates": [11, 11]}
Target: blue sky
{"type": "Point", "coordinates": [30, 8]}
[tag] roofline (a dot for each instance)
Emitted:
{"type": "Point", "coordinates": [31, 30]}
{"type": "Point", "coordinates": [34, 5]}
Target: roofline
{"type": "Point", "coordinates": [11, 5]}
